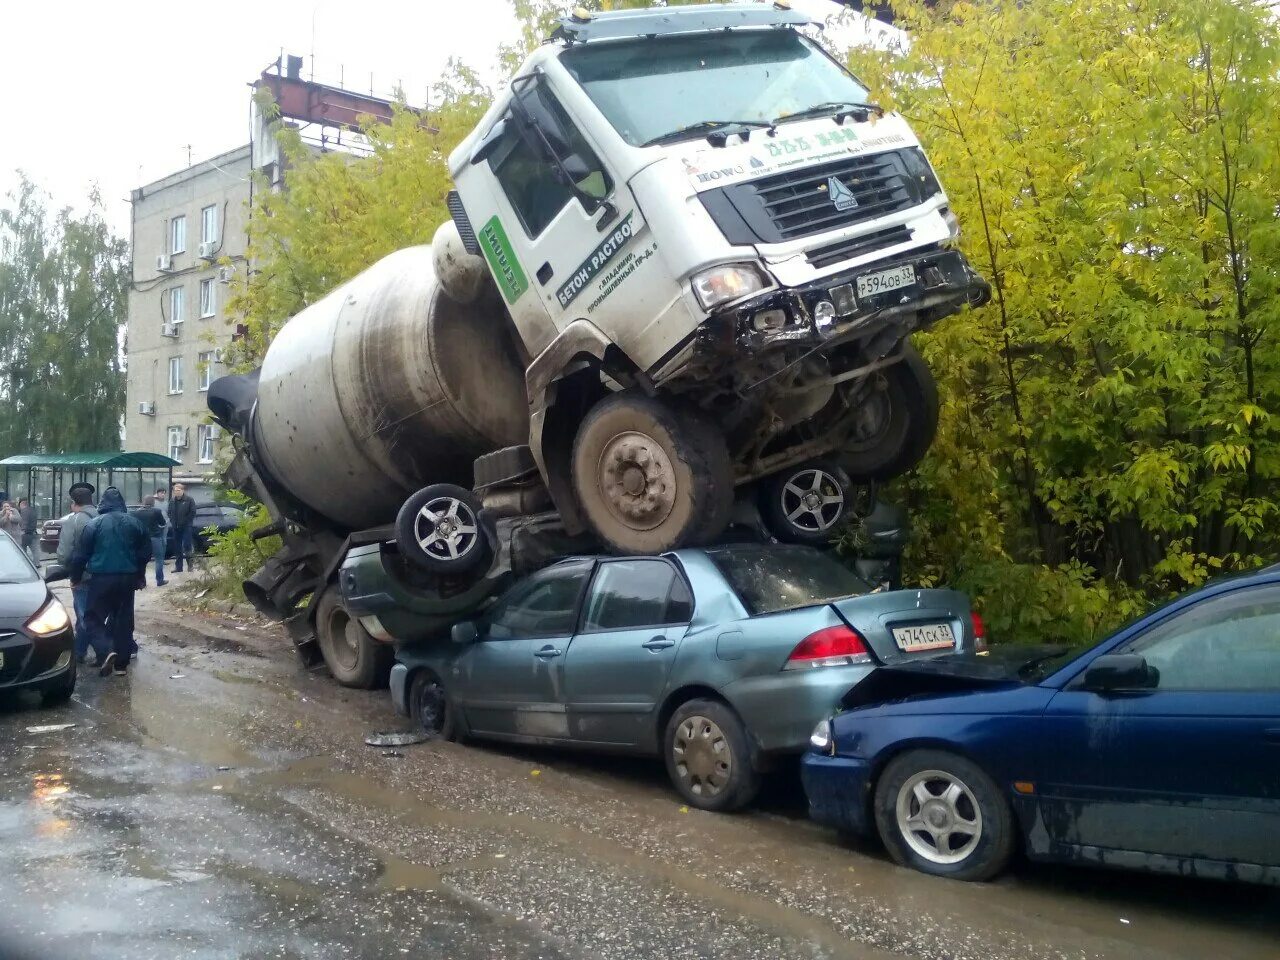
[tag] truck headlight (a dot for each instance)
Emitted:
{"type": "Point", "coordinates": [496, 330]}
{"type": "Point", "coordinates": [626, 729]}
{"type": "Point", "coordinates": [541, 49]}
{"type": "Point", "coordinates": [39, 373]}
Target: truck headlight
{"type": "Point", "coordinates": [729, 281]}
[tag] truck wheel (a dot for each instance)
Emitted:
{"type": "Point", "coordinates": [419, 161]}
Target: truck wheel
{"type": "Point", "coordinates": [650, 477]}
{"type": "Point", "coordinates": [896, 423]}
{"type": "Point", "coordinates": [807, 503]}
{"type": "Point", "coordinates": [438, 529]}
{"type": "Point", "coordinates": [353, 657]}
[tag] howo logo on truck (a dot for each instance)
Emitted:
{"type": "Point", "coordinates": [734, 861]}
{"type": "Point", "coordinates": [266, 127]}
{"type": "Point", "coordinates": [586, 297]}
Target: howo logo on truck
{"type": "Point", "coordinates": [720, 174]}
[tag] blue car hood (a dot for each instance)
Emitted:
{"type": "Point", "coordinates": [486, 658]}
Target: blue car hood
{"type": "Point", "coordinates": [939, 677]}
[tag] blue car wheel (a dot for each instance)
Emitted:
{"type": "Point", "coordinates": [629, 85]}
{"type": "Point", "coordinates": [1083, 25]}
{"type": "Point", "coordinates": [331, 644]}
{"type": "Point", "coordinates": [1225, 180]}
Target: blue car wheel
{"type": "Point", "coordinates": [941, 814]}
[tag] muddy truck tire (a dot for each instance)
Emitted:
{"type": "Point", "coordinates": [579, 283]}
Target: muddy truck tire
{"type": "Point", "coordinates": [353, 657]}
{"type": "Point", "coordinates": [651, 477]}
{"type": "Point", "coordinates": [897, 422]}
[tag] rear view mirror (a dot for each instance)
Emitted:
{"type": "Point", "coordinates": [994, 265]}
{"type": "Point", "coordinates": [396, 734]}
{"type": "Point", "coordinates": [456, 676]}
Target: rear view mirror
{"type": "Point", "coordinates": [1120, 671]}
{"type": "Point", "coordinates": [465, 633]}
{"type": "Point", "coordinates": [482, 150]}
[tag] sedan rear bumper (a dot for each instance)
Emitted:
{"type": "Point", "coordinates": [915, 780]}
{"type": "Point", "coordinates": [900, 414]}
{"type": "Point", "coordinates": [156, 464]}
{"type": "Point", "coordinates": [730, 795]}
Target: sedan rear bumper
{"type": "Point", "coordinates": [781, 709]}
{"type": "Point", "coordinates": [837, 788]}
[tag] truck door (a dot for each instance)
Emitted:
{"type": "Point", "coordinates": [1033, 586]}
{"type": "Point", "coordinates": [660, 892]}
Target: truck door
{"type": "Point", "coordinates": [548, 200]}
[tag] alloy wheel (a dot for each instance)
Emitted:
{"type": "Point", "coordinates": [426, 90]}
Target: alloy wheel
{"type": "Point", "coordinates": [938, 816]}
{"type": "Point", "coordinates": [812, 500]}
{"type": "Point", "coordinates": [446, 528]}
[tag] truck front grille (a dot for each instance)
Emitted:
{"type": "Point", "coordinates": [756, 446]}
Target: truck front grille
{"type": "Point", "coordinates": [857, 246]}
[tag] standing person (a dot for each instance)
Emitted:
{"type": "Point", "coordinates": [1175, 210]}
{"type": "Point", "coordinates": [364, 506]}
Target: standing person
{"type": "Point", "coordinates": [28, 514]}
{"type": "Point", "coordinates": [182, 517]}
{"type": "Point", "coordinates": [82, 513]}
{"type": "Point", "coordinates": [113, 550]}
{"type": "Point", "coordinates": [153, 522]}
{"type": "Point", "coordinates": [11, 521]}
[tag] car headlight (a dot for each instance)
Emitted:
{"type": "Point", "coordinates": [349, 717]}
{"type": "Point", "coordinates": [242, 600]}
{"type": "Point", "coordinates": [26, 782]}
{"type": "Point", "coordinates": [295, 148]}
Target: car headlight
{"type": "Point", "coordinates": [51, 618]}
{"type": "Point", "coordinates": [729, 281]}
{"type": "Point", "coordinates": [821, 739]}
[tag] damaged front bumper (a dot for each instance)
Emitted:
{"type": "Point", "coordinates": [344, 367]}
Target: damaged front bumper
{"type": "Point", "coordinates": [934, 283]}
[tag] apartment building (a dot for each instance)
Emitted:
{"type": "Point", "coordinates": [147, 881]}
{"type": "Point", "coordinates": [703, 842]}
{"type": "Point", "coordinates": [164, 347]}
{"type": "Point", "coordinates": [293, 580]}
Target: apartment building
{"type": "Point", "coordinates": [189, 241]}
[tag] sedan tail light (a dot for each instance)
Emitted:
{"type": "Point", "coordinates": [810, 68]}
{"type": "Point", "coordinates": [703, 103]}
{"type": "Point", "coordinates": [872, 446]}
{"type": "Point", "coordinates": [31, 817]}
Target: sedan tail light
{"type": "Point", "coordinates": [830, 647]}
{"type": "Point", "coordinates": [979, 633]}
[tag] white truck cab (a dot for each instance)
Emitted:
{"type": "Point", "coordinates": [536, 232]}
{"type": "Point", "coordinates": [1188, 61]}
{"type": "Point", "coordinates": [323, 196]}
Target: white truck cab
{"type": "Point", "coordinates": [713, 250]}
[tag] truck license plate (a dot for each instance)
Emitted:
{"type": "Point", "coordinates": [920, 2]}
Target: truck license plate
{"type": "Point", "coordinates": [883, 281]}
{"type": "Point", "coordinates": [925, 636]}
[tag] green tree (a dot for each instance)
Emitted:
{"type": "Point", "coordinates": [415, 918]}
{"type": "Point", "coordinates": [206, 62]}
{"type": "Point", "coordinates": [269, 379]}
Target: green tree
{"type": "Point", "coordinates": [63, 300]}
{"type": "Point", "coordinates": [1108, 419]}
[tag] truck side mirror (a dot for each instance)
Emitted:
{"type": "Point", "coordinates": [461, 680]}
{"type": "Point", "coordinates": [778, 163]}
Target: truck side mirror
{"type": "Point", "coordinates": [489, 143]}
{"type": "Point", "coordinates": [464, 633]}
{"type": "Point", "coordinates": [1120, 671]}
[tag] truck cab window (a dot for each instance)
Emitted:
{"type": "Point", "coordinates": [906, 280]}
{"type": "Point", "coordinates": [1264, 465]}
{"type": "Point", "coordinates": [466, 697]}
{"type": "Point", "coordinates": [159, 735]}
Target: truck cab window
{"type": "Point", "coordinates": [531, 180]}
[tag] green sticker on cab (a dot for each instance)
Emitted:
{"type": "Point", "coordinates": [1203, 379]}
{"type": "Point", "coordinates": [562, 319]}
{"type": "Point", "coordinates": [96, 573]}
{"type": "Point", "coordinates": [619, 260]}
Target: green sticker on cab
{"type": "Point", "coordinates": [502, 260]}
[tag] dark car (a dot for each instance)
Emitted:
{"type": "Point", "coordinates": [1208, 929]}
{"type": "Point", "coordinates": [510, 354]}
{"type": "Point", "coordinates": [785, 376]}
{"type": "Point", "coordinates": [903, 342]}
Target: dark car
{"type": "Point", "coordinates": [1156, 749]}
{"type": "Point", "coordinates": [210, 519]}
{"type": "Point", "coordinates": [36, 640]}
{"type": "Point", "coordinates": [717, 660]}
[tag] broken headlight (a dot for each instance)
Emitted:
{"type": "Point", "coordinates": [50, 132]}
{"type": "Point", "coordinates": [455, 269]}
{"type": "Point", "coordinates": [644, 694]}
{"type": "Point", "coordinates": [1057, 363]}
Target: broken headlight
{"type": "Point", "coordinates": [729, 281]}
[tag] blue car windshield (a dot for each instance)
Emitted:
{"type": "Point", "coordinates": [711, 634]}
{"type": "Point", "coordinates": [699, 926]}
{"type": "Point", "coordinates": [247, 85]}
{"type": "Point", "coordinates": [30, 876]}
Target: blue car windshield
{"type": "Point", "coordinates": [769, 579]}
{"type": "Point", "coordinates": [14, 567]}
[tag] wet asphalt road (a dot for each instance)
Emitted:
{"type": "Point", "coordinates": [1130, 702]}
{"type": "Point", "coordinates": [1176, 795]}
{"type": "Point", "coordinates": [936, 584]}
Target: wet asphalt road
{"type": "Point", "coordinates": [234, 811]}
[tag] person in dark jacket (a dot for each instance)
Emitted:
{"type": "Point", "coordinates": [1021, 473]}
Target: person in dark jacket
{"type": "Point", "coordinates": [113, 552]}
{"type": "Point", "coordinates": [152, 521]}
{"type": "Point", "coordinates": [182, 517]}
{"type": "Point", "coordinates": [29, 519]}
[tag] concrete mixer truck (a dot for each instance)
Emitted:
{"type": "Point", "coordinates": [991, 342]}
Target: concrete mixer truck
{"type": "Point", "coordinates": [685, 258]}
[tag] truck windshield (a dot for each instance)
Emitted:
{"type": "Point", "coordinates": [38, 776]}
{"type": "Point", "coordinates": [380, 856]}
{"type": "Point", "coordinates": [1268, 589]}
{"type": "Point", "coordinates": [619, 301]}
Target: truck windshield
{"type": "Point", "coordinates": [651, 87]}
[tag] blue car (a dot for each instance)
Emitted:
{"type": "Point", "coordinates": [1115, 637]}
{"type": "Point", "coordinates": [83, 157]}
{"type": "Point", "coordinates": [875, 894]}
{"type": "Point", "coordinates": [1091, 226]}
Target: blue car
{"type": "Point", "coordinates": [1156, 749]}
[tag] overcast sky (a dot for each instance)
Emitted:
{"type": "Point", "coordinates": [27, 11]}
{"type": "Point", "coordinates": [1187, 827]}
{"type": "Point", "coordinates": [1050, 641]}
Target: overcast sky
{"type": "Point", "coordinates": [115, 93]}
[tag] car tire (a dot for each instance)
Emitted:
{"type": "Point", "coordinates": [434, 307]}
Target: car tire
{"type": "Point", "coordinates": [432, 708]}
{"type": "Point", "coordinates": [354, 658]}
{"type": "Point", "coordinates": [923, 784]}
{"type": "Point", "coordinates": [788, 512]}
{"type": "Point", "coordinates": [899, 424]}
{"type": "Point", "coordinates": [438, 529]}
{"type": "Point", "coordinates": [718, 773]}
{"type": "Point", "coordinates": [651, 477]}
{"type": "Point", "coordinates": [60, 693]}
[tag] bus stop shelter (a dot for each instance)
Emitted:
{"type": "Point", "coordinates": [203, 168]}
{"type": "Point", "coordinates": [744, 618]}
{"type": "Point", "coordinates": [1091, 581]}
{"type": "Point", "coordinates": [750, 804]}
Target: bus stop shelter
{"type": "Point", "coordinates": [46, 478]}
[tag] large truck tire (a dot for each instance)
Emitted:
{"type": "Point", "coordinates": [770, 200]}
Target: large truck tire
{"type": "Point", "coordinates": [807, 503]}
{"type": "Point", "coordinates": [897, 424]}
{"type": "Point", "coordinates": [438, 529]}
{"type": "Point", "coordinates": [353, 657]}
{"type": "Point", "coordinates": [651, 477]}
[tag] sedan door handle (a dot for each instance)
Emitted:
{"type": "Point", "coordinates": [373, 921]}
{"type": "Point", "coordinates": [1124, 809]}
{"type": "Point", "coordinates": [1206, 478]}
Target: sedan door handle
{"type": "Point", "coordinates": [658, 643]}
{"type": "Point", "coordinates": [548, 653]}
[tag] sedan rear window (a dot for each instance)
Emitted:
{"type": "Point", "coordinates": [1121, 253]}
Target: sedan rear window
{"type": "Point", "coordinates": [768, 579]}
{"type": "Point", "coordinates": [14, 567]}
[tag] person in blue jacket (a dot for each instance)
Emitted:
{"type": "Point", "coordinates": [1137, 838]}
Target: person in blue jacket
{"type": "Point", "coordinates": [111, 557]}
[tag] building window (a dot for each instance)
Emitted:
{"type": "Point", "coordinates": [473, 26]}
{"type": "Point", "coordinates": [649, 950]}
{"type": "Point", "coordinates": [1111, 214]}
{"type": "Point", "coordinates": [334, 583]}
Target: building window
{"type": "Point", "coordinates": [205, 362]}
{"type": "Point", "coordinates": [206, 298]}
{"type": "Point", "coordinates": [178, 235]}
{"type": "Point", "coordinates": [175, 374]}
{"type": "Point", "coordinates": [209, 225]}
{"type": "Point", "coordinates": [177, 441]}
{"type": "Point", "coordinates": [207, 433]}
{"type": "Point", "coordinates": [177, 304]}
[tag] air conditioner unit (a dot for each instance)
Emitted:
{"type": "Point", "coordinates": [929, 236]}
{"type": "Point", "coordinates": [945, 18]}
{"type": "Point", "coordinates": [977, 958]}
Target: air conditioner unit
{"type": "Point", "coordinates": [168, 330]}
{"type": "Point", "coordinates": [208, 249]}
{"type": "Point", "coordinates": [164, 263]}
{"type": "Point", "coordinates": [225, 274]}
{"type": "Point", "coordinates": [147, 408]}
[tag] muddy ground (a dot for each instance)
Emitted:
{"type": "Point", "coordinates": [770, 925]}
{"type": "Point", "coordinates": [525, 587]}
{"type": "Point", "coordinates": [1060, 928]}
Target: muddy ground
{"type": "Point", "coordinates": [220, 802]}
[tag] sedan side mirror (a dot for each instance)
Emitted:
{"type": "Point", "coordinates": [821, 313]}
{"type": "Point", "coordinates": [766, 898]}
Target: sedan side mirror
{"type": "Point", "coordinates": [465, 633]}
{"type": "Point", "coordinates": [1120, 671]}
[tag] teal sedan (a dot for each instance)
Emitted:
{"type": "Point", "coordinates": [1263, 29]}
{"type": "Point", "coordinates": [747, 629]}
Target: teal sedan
{"type": "Point", "coordinates": [720, 660]}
